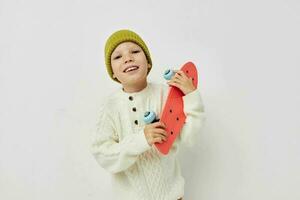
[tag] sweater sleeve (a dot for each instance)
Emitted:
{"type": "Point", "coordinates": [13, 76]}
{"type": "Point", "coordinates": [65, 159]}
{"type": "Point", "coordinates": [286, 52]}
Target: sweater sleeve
{"type": "Point", "coordinates": [195, 118]}
{"type": "Point", "coordinates": [110, 153]}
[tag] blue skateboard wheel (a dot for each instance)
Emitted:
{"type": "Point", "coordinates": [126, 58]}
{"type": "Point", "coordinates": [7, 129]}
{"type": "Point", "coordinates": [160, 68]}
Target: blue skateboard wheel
{"type": "Point", "coordinates": [149, 117]}
{"type": "Point", "coordinates": [168, 74]}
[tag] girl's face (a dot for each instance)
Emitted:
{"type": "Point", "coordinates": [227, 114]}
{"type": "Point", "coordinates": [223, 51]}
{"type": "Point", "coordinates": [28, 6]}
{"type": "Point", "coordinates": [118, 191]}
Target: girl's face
{"type": "Point", "coordinates": [129, 64]}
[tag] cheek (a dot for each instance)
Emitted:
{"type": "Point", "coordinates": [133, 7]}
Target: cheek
{"type": "Point", "coordinates": [143, 60]}
{"type": "Point", "coordinates": [114, 66]}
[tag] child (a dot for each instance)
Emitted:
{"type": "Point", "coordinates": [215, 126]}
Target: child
{"type": "Point", "coordinates": [123, 144]}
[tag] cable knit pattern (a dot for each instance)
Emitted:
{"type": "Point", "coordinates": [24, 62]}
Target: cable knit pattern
{"type": "Point", "coordinates": [148, 166]}
{"type": "Point", "coordinates": [139, 171]}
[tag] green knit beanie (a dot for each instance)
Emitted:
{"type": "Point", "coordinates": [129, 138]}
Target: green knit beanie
{"type": "Point", "coordinates": [119, 37]}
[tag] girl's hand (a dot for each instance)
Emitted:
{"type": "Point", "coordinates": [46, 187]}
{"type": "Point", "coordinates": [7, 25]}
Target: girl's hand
{"type": "Point", "coordinates": [155, 132]}
{"type": "Point", "coordinates": [181, 81]}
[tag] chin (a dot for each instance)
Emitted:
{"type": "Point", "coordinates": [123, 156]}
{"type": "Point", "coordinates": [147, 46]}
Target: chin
{"type": "Point", "coordinates": [137, 78]}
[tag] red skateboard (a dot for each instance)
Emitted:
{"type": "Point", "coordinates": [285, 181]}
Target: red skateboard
{"type": "Point", "coordinates": [173, 114]}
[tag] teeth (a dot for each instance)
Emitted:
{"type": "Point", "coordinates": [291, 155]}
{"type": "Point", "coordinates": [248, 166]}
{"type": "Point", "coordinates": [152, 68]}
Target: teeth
{"type": "Point", "coordinates": [130, 69]}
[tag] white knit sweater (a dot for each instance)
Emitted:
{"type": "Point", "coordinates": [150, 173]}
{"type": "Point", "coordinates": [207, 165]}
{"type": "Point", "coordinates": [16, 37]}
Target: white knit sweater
{"type": "Point", "coordinates": [139, 171]}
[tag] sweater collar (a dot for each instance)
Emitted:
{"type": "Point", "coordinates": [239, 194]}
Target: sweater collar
{"type": "Point", "coordinates": [141, 93]}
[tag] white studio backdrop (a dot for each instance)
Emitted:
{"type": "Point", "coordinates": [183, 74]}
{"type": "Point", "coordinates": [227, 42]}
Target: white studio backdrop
{"type": "Point", "coordinates": [53, 78]}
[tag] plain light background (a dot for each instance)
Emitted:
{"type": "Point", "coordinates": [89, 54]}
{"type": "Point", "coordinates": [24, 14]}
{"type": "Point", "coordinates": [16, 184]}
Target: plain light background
{"type": "Point", "coordinates": [53, 78]}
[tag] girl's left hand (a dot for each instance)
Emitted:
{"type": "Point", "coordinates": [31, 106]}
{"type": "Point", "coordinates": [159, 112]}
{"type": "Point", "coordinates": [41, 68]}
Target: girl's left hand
{"type": "Point", "coordinates": [181, 81]}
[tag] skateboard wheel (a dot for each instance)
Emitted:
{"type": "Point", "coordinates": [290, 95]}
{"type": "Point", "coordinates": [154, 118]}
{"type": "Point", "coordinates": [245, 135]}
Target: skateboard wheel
{"type": "Point", "coordinates": [168, 74]}
{"type": "Point", "coordinates": [149, 117]}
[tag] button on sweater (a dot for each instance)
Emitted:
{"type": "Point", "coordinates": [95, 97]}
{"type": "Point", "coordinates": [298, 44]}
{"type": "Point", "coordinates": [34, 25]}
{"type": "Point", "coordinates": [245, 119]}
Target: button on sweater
{"type": "Point", "coordinates": [139, 171]}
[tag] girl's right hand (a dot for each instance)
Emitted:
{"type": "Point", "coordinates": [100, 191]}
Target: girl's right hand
{"type": "Point", "coordinates": [155, 132]}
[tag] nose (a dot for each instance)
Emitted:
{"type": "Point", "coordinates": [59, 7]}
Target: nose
{"type": "Point", "coordinates": [128, 58]}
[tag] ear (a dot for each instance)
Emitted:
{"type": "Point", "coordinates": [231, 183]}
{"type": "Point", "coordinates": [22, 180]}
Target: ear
{"type": "Point", "coordinates": [113, 75]}
{"type": "Point", "coordinates": [149, 65]}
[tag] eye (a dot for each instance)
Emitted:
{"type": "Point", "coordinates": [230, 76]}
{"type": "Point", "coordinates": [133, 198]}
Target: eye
{"type": "Point", "coordinates": [117, 57]}
{"type": "Point", "coordinates": [136, 51]}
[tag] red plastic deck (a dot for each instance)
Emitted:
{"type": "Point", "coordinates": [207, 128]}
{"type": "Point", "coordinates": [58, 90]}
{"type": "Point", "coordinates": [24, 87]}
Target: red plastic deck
{"type": "Point", "coordinates": [173, 114]}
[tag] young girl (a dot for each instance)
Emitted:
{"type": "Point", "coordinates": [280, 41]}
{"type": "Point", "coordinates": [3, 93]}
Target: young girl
{"type": "Point", "coordinates": [124, 144]}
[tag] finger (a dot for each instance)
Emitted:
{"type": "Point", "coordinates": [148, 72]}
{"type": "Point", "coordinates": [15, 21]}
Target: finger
{"type": "Point", "coordinates": [182, 74]}
{"type": "Point", "coordinates": [157, 140]}
{"type": "Point", "coordinates": [183, 80]}
{"type": "Point", "coordinates": [178, 76]}
{"type": "Point", "coordinates": [175, 82]}
{"type": "Point", "coordinates": [159, 125]}
{"type": "Point", "coordinates": [174, 79]}
{"type": "Point", "coordinates": [156, 135]}
{"type": "Point", "coordinates": [160, 132]}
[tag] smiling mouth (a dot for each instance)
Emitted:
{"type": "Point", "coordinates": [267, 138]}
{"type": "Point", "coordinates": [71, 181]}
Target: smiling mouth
{"type": "Point", "coordinates": [131, 68]}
